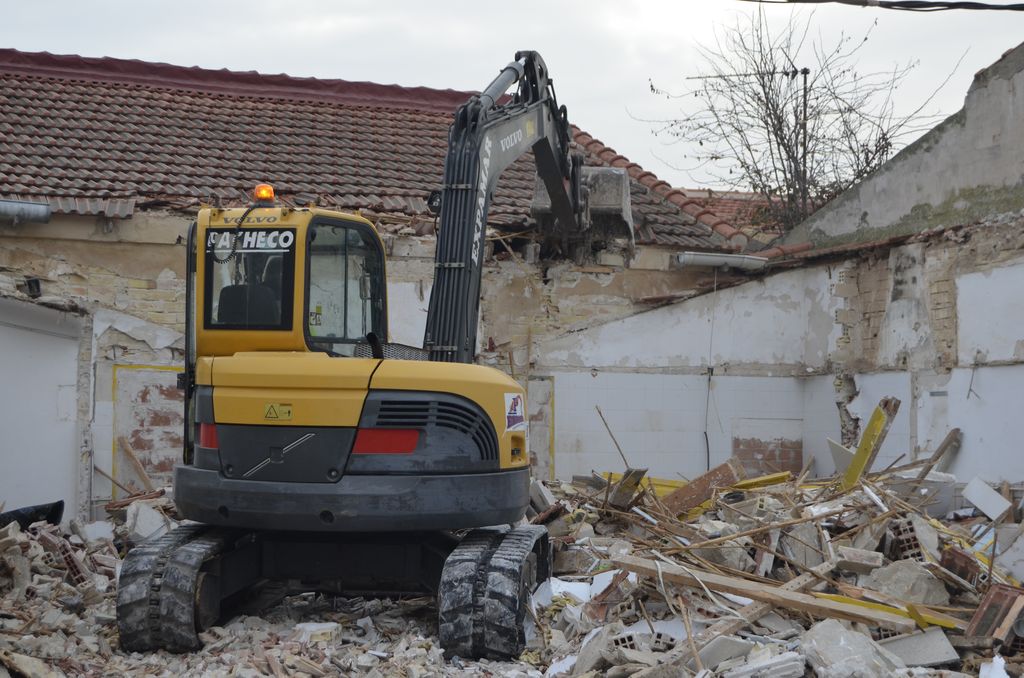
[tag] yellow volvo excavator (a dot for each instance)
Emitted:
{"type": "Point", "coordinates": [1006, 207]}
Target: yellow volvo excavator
{"type": "Point", "coordinates": [316, 451]}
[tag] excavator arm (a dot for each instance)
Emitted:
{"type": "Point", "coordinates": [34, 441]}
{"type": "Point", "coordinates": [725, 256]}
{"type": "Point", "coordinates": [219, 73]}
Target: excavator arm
{"type": "Point", "coordinates": [487, 136]}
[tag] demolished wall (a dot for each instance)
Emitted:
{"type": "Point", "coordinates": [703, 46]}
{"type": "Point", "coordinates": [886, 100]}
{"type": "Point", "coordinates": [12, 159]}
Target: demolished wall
{"type": "Point", "coordinates": [126, 278]}
{"type": "Point", "coordinates": [963, 170]}
{"type": "Point", "coordinates": [770, 369]}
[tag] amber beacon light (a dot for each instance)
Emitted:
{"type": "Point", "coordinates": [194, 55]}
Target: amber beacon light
{"type": "Point", "coordinates": [264, 193]}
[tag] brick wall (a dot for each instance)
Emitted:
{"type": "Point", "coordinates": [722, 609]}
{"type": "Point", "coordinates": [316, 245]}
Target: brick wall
{"type": "Point", "coordinates": [761, 457]}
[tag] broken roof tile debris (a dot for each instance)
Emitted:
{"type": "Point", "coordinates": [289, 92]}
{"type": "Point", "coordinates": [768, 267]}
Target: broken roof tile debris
{"type": "Point", "coordinates": [766, 576]}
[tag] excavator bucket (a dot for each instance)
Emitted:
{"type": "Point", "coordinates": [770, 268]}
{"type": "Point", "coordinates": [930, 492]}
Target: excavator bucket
{"type": "Point", "coordinates": [608, 209]}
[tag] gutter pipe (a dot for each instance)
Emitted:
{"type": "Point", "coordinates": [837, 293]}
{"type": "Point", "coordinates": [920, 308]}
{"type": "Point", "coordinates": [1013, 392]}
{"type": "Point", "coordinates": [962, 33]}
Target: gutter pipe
{"type": "Point", "coordinates": [744, 262]}
{"type": "Point", "coordinates": [19, 211]}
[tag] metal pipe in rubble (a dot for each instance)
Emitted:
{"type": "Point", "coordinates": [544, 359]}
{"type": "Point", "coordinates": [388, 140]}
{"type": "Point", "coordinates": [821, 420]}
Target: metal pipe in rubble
{"type": "Point", "coordinates": [745, 262]}
{"type": "Point", "coordinates": [20, 211]}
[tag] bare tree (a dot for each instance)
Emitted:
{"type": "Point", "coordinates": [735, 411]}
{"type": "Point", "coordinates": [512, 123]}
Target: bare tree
{"type": "Point", "coordinates": [790, 117]}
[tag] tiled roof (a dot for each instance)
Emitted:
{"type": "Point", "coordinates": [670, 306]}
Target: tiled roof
{"type": "Point", "coordinates": [742, 209]}
{"type": "Point", "coordinates": [107, 136]}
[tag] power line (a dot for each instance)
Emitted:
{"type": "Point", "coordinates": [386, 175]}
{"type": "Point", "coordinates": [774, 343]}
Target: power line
{"type": "Point", "coordinates": [906, 5]}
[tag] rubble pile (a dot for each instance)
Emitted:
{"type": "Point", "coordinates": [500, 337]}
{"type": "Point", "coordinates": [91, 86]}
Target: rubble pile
{"type": "Point", "coordinates": [858, 575]}
{"type": "Point", "coordinates": [863, 574]}
{"type": "Point", "coordinates": [57, 616]}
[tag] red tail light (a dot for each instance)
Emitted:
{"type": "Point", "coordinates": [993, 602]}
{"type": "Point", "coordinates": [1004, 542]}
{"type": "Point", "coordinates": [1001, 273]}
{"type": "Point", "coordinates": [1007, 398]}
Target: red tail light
{"type": "Point", "coordinates": [208, 436]}
{"type": "Point", "coordinates": [385, 441]}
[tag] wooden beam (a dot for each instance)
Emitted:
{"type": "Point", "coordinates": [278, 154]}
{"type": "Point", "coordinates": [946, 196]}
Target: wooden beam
{"type": "Point", "coordinates": [870, 442]}
{"type": "Point", "coordinates": [111, 478]}
{"type": "Point", "coordinates": [950, 444]}
{"type": "Point", "coordinates": [623, 492]}
{"type": "Point", "coordinates": [122, 442]}
{"type": "Point", "coordinates": [699, 490]}
{"type": "Point", "coordinates": [774, 595]}
{"type": "Point", "coordinates": [754, 611]}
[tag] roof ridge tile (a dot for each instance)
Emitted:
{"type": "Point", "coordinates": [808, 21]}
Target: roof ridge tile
{"type": "Point", "coordinates": [158, 75]}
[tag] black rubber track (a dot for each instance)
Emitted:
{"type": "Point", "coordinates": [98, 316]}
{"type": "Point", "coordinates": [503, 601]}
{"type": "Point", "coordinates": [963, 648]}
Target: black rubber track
{"type": "Point", "coordinates": [485, 589]}
{"type": "Point", "coordinates": [138, 589]}
{"type": "Point", "coordinates": [457, 593]}
{"type": "Point", "coordinates": [179, 628]}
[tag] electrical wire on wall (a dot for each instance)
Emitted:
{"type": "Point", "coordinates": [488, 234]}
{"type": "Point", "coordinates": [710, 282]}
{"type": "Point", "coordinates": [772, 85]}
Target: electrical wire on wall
{"type": "Point", "coordinates": [711, 372]}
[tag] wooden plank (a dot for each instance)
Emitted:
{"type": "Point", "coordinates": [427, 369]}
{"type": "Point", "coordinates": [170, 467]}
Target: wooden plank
{"type": "Point", "coordinates": [870, 442]}
{"type": "Point", "coordinates": [136, 464]}
{"type": "Point", "coordinates": [774, 595]}
{"type": "Point", "coordinates": [624, 490]}
{"type": "Point", "coordinates": [1004, 630]}
{"type": "Point", "coordinates": [754, 611]}
{"type": "Point", "coordinates": [915, 612]}
{"type": "Point", "coordinates": [950, 444]}
{"type": "Point", "coordinates": [764, 481]}
{"type": "Point", "coordinates": [659, 486]}
{"type": "Point", "coordinates": [126, 490]}
{"type": "Point", "coordinates": [699, 490]}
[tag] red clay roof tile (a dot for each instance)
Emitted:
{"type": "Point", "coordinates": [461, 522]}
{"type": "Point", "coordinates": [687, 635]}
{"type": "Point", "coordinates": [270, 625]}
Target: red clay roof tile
{"type": "Point", "coordinates": [104, 136]}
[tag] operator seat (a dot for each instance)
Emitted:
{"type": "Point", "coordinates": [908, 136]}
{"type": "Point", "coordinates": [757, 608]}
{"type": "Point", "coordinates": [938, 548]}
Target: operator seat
{"type": "Point", "coordinates": [247, 305]}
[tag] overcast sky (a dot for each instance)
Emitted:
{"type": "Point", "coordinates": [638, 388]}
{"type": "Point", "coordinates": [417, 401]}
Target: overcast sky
{"type": "Point", "coordinates": [602, 54]}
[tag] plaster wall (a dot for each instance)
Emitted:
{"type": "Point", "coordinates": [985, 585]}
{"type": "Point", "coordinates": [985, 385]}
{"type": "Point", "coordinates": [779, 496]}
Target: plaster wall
{"type": "Point", "coordinates": [916, 322]}
{"type": "Point", "coordinates": [991, 315]}
{"type": "Point", "coordinates": [783, 323]}
{"type": "Point", "coordinates": [660, 420]}
{"type": "Point", "coordinates": [38, 406]}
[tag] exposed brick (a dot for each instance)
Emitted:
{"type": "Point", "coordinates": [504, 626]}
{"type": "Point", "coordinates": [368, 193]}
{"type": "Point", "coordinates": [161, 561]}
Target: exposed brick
{"type": "Point", "coordinates": [761, 457]}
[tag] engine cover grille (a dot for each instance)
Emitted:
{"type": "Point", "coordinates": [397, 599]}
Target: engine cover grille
{"type": "Point", "coordinates": [449, 413]}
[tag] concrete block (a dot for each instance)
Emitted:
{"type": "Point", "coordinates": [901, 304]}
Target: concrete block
{"type": "Point", "coordinates": [907, 580]}
{"type": "Point", "coordinates": [785, 665]}
{"type": "Point", "coordinates": [541, 498]}
{"type": "Point", "coordinates": [573, 561]}
{"type": "Point", "coordinates": [858, 560]}
{"type": "Point", "coordinates": [98, 531]}
{"type": "Point", "coordinates": [624, 670]}
{"type": "Point", "coordinates": [848, 316]}
{"type": "Point", "coordinates": [590, 657]}
{"type": "Point", "coordinates": [1012, 558]}
{"type": "Point", "coordinates": [938, 487]}
{"type": "Point", "coordinates": [988, 501]}
{"type": "Point", "coordinates": [846, 290]}
{"type": "Point", "coordinates": [721, 649]}
{"type": "Point", "coordinates": [804, 544]}
{"type": "Point", "coordinates": [618, 656]}
{"type": "Point", "coordinates": [611, 259]}
{"type": "Point", "coordinates": [317, 632]}
{"type": "Point", "coordinates": [924, 648]}
{"type": "Point", "coordinates": [834, 651]}
{"type": "Point", "coordinates": [144, 521]}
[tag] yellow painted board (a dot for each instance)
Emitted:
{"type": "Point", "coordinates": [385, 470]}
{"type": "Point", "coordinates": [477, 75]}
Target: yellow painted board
{"type": "Point", "coordinates": [865, 450]}
{"type": "Point", "coordinates": [764, 481]}
{"type": "Point", "coordinates": [928, 617]}
{"type": "Point", "coordinates": [664, 486]}
{"type": "Point", "coordinates": [661, 486]}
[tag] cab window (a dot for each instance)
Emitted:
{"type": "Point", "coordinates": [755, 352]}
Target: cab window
{"type": "Point", "coordinates": [250, 275]}
{"type": "Point", "coordinates": [346, 286]}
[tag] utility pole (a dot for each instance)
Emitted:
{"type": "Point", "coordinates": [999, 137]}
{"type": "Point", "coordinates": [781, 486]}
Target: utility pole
{"type": "Point", "coordinates": [803, 157]}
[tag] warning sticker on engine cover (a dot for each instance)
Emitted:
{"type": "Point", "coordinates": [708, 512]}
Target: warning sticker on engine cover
{"type": "Point", "coordinates": [515, 414]}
